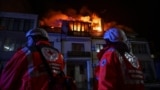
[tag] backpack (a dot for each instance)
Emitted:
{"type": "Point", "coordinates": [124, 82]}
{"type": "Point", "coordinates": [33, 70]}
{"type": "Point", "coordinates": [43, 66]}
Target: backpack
{"type": "Point", "coordinates": [60, 81]}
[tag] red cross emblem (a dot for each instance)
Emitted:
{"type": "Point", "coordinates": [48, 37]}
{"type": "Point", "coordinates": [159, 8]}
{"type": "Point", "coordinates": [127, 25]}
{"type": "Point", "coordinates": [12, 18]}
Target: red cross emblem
{"type": "Point", "coordinates": [49, 53]}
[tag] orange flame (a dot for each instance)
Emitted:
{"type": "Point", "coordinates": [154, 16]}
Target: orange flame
{"type": "Point", "coordinates": [96, 23]}
{"type": "Point", "coordinates": [53, 19]}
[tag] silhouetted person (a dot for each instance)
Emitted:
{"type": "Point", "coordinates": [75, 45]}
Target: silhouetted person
{"type": "Point", "coordinates": [37, 66]}
{"type": "Point", "coordinates": [118, 68]}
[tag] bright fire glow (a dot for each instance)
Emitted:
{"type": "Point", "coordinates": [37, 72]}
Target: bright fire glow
{"type": "Point", "coordinates": [53, 19]}
{"type": "Point", "coordinates": [79, 26]}
{"type": "Point", "coordinates": [85, 18]}
{"type": "Point", "coordinates": [96, 23]}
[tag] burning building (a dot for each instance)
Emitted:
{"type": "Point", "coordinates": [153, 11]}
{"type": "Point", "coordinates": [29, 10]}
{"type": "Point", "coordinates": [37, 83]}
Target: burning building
{"type": "Point", "coordinates": [79, 38]}
{"type": "Point", "coordinates": [57, 21]}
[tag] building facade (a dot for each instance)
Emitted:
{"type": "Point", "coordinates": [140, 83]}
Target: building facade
{"type": "Point", "coordinates": [12, 32]}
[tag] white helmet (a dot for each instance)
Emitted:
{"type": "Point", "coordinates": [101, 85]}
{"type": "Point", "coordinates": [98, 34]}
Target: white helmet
{"type": "Point", "coordinates": [115, 35]}
{"type": "Point", "coordinates": [37, 31]}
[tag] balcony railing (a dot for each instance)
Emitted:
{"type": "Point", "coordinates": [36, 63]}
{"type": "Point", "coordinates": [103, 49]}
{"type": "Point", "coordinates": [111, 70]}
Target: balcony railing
{"type": "Point", "coordinates": [78, 54]}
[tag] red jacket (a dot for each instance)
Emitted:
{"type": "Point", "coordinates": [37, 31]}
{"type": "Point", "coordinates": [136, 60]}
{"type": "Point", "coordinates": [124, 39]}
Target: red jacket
{"type": "Point", "coordinates": [116, 72]}
{"type": "Point", "coordinates": [25, 70]}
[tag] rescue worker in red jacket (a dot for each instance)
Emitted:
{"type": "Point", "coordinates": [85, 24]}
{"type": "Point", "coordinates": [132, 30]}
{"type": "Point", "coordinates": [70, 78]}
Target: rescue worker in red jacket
{"type": "Point", "coordinates": [26, 69]}
{"type": "Point", "coordinates": [118, 68]}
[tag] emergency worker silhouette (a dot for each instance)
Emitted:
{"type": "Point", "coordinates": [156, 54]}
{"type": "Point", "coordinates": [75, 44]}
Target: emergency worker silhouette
{"type": "Point", "coordinates": [118, 68]}
{"type": "Point", "coordinates": [37, 66]}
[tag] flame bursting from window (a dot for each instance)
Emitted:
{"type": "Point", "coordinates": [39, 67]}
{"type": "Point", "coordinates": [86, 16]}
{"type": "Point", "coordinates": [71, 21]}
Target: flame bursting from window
{"type": "Point", "coordinates": [96, 23]}
{"type": "Point", "coordinates": [79, 26]}
{"type": "Point", "coordinates": [54, 19]}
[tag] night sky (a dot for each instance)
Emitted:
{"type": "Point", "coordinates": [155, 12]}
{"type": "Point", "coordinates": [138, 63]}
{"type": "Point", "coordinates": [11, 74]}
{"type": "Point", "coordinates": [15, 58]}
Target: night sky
{"type": "Point", "coordinates": [136, 14]}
